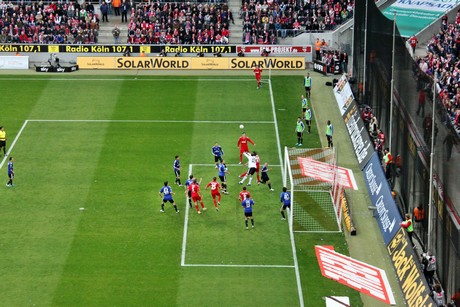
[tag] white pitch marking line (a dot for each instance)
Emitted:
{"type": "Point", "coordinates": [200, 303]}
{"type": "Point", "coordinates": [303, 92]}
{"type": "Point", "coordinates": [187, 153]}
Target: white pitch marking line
{"type": "Point", "coordinates": [184, 239]}
{"type": "Point", "coordinates": [197, 164]}
{"type": "Point", "coordinates": [14, 142]}
{"type": "Point", "coordinates": [145, 121]}
{"type": "Point", "coordinates": [291, 234]}
{"type": "Point", "coordinates": [242, 265]}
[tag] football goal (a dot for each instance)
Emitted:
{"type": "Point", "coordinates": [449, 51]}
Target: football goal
{"type": "Point", "coordinates": [312, 178]}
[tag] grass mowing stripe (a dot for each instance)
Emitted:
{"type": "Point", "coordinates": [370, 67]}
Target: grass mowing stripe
{"type": "Point", "coordinates": [291, 234]}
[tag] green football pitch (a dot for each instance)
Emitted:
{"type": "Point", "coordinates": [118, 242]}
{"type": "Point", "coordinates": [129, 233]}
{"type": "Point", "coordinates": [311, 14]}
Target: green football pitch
{"type": "Point", "coordinates": [107, 144]}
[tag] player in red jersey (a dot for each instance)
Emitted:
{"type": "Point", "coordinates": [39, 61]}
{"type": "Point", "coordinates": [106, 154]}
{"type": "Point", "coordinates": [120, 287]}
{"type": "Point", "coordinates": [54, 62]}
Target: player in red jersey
{"type": "Point", "coordinates": [194, 189]}
{"type": "Point", "coordinates": [243, 194]}
{"type": "Point", "coordinates": [258, 74]}
{"type": "Point", "coordinates": [243, 145]}
{"type": "Point", "coordinates": [215, 192]}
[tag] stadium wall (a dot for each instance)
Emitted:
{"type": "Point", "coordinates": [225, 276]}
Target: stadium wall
{"type": "Point", "coordinates": [410, 142]}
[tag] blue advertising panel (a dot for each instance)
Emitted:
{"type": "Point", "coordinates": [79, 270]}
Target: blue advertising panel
{"type": "Point", "coordinates": [386, 213]}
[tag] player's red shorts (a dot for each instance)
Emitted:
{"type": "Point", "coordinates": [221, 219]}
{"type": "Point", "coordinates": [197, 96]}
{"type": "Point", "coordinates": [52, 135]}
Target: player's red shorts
{"type": "Point", "coordinates": [196, 198]}
{"type": "Point", "coordinates": [244, 149]}
{"type": "Point", "coordinates": [214, 194]}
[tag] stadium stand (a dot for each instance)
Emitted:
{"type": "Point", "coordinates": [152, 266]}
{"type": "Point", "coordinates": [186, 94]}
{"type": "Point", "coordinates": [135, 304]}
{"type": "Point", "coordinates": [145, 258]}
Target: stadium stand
{"type": "Point", "coordinates": [54, 23]}
{"type": "Point", "coordinates": [442, 62]}
{"type": "Point", "coordinates": [264, 22]}
{"type": "Point", "coordinates": [179, 23]}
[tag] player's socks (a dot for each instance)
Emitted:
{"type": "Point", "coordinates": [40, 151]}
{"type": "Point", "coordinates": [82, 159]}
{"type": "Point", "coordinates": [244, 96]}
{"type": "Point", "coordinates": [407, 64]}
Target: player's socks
{"type": "Point", "coordinates": [282, 214]}
{"type": "Point", "coordinates": [243, 174]}
{"type": "Point", "coordinates": [202, 205]}
{"type": "Point", "coordinates": [162, 207]}
{"type": "Point", "coordinates": [270, 186]}
{"type": "Point", "coordinates": [215, 203]}
{"type": "Point", "coordinates": [244, 179]}
{"type": "Point", "coordinates": [246, 222]}
{"type": "Point", "coordinates": [258, 178]}
{"type": "Point", "coordinates": [175, 208]}
{"type": "Point", "coordinates": [252, 222]}
{"type": "Point", "coordinates": [197, 208]}
{"type": "Point", "coordinates": [250, 180]}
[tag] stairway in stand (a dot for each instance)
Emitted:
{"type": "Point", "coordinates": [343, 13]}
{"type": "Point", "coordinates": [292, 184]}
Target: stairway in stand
{"type": "Point", "coordinates": [105, 29]}
{"type": "Point", "coordinates": [236, 30]}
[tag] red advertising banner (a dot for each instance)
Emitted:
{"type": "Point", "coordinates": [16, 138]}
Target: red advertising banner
{"type": "Point", "coordinates": [274, 49]}
{"type": "Point", "coordinates": [355, 274]}
{"type": "Point", "coordinates": [325, 172]}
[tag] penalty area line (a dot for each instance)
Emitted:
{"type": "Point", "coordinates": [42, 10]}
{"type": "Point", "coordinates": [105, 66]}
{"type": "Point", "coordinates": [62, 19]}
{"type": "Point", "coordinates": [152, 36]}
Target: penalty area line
{"type": "Point", "coordinates": [184, 238]}
{"type": "Point", "coordinates": [242, 265]}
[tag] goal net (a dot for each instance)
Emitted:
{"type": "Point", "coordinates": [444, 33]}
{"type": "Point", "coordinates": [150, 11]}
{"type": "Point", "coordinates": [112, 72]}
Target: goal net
{"type": "Point", "coordinates": [312, 178]}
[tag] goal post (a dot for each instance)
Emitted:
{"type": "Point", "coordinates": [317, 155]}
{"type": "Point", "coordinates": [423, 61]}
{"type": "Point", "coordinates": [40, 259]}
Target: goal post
{"type": "Point", "coordinates": [311, 175]}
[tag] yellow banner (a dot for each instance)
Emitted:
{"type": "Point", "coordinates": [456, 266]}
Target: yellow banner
{"type": "Point", "coordinates": [96, 62]}
{"type": "Point", "coordinates": [191, 63]}
{"type": "Point", "coordinates": [209, 63]}
{"type": "Point", "coordinates": [275, 63]}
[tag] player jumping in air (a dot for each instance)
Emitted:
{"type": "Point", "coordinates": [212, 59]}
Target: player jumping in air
{"type": "Point", "coordinates": [166, 194]}
{"type": "Point", "coordinates": [258, 74]}
{"type": "Point", "coordinates": [252, 164]}
{"type": "Point", "coordinates": [243, 145]}
{"type": "Point", "coordinates": [215, 192]}
{"type": "Point", "coordinates": [257, 169]}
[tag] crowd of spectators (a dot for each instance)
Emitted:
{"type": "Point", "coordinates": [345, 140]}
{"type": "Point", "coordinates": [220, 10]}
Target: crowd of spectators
{"type": "Point", "coordinates": [179, 23]}
{"type": "Point", "coordinates": [55, 23]}
{"type": "Point", "coordinates": [336, 61]}
{"type": "Point", "coordinates": [265, 20]}
{"type": "Point", "coordinates": [443, 63]}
